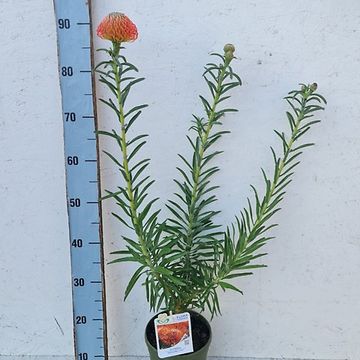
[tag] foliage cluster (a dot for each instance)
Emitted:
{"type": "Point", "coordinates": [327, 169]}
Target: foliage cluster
{"type": "Point", "coordinates": [185, 260]}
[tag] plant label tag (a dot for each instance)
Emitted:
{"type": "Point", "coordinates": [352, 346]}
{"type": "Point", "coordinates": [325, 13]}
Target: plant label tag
{"type": "Point", "coordinates": [173, 335]}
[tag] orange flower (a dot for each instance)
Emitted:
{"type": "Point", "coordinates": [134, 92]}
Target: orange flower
{"type": "Point", "coordinates": [118, 28]}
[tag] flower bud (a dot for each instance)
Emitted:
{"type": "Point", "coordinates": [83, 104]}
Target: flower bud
{"type": "Point", "coordinates": [229, 52]}
{"type": "Point", "coordinates": [229, 47]}
{"type": "Point", "coordinates": [313, 87]}
{"type": "Point", "coordinates": [117, 28]}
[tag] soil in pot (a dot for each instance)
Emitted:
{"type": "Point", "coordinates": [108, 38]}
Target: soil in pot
{"type": "Point", "coordinates": [200, 331]}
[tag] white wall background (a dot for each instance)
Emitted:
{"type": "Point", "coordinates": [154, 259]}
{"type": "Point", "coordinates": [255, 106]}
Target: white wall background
{"type": "Point", "coordinates": [305, 304]}
{"type": "Point", "coordinates": [35, 292]}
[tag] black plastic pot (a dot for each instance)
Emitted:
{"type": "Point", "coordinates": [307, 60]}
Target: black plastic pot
{"type": "Point", "coordinates": [201, 332]}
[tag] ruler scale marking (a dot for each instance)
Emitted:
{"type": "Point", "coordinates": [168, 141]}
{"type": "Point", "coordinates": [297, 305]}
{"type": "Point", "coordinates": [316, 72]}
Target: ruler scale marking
{"type": "Point", "coordinates": [79, 116]}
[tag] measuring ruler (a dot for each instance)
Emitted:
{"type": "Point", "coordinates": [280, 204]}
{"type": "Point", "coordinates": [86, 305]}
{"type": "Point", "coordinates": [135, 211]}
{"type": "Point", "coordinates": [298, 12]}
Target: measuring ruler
{"type": "Point", "coordinates": [73, 21]}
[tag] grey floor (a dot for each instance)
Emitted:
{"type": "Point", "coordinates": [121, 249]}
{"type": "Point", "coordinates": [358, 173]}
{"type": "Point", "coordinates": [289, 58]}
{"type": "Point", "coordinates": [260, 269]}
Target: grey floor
{"type": "Point", "coordinates": [50, 357]}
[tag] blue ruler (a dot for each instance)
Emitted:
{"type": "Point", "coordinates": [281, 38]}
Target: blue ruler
{"type": "Point", "coordinates": [82, 177]}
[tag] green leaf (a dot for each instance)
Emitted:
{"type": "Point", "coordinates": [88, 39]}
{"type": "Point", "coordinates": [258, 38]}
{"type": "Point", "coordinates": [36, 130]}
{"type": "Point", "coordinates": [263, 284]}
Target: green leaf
{"type": "Point", "coordinates": [176, 281]}
{"type": "Point", "coordinates": [111, 105]}
{"type": "Point", "coordinates": [132, 120]}
{"type": "Point", "coordinates": [122, 221]}
{"type": "Point", "coordinates": [135, 108]}
{"type": "Point", "coordinates": [124, 259]}
{"type": "Point", "coordinates": [136, 138]}
{"type": "Point", "coordinates": [137, 148]}
{"type": "Point", "coordinates": [107, 133]}
{"type": "Point", "coordinates": [133, 281]}
{"type": "Point", "coordinates": [163, 271]}
{"type": "Point", "coordinates": [235, 275]}
{"type": "Point", "coordinates": [143, 213]}
{"type": "Point", "coordinates": [113, 159]}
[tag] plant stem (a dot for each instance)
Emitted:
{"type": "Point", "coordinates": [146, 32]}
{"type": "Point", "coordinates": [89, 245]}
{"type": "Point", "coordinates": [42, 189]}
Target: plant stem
{"type": "Point", "coordinates": [281, 167]}
{"type": "Point", "coordinates": [125, 161]}
{"type": "Point", "coordinates": [268, 198]}
{"type": "Point", "coordinates": [128, 177]}
{"type": "Point", "coordinates": [203, 141]}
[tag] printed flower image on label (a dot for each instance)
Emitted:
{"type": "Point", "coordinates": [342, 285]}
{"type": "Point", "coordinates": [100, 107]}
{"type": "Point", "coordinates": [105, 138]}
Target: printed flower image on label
{"type": "Point", "coordinates": [173, 335]}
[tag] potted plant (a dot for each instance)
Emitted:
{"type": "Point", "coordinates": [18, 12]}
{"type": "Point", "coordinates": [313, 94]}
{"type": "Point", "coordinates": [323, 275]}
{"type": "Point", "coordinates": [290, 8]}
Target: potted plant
{"type": "Point", "coordinates": [186, 259]}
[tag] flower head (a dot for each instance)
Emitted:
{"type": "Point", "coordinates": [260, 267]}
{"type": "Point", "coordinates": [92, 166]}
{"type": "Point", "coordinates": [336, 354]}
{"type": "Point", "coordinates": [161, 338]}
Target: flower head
{"type": "Point", "coordinates": [118, 28]}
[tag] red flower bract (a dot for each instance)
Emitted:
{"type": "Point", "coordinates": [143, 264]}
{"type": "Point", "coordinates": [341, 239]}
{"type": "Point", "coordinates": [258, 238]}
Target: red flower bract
{"type": "Point", "coordinates": [118, 28]}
